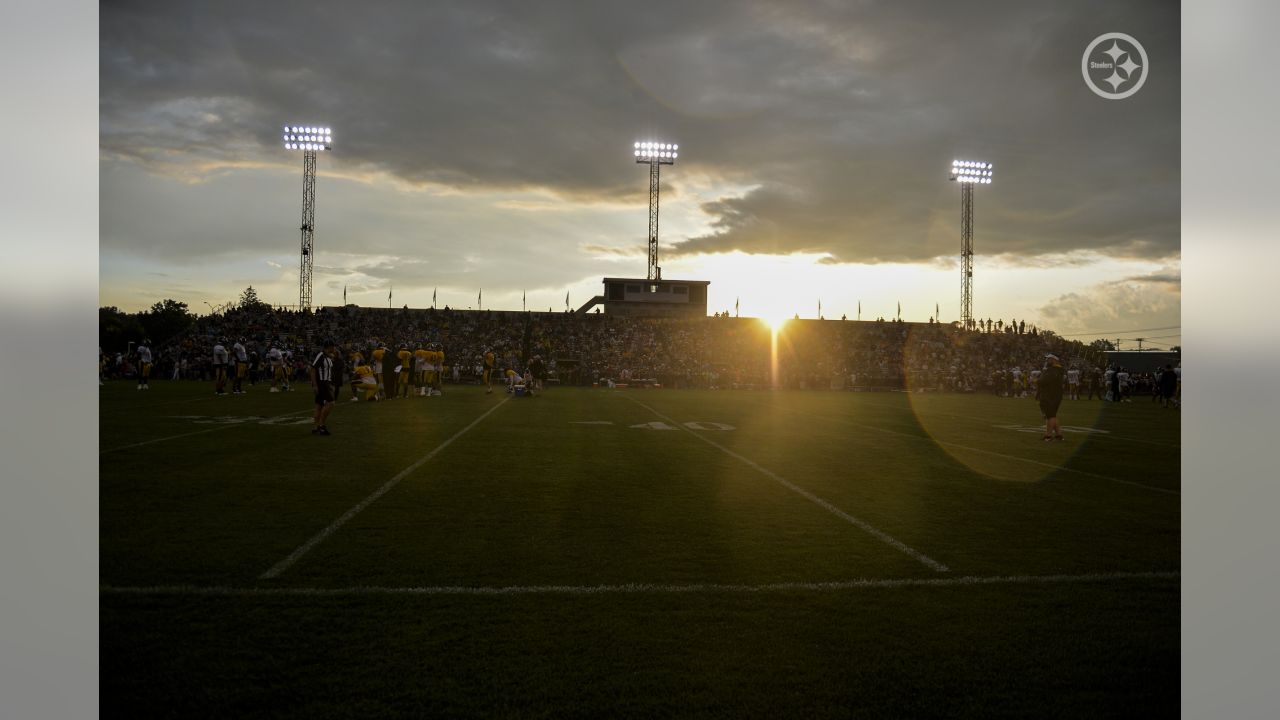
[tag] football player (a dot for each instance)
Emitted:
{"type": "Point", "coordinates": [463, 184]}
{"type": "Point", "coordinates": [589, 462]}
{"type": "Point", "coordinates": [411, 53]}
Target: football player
{"type": "Point", "coordinates": [489, 361]}
{"type": "Point", "coordinates": [241, 358]}
{"type": "Point", "coordinates": [420, 356]}
{"type": "Point", "coordinates": [379, 352]}
{"type": "Point", "coordinates": [275, 359]}
{"type": "Point", "coordinates": [144, 364]}
{"type": "Point", "coordinates": [220, 360]}
{"type": "Point", "coordinates": [364, 382]}
{"type": "Point", "coordinates": [405, 368]}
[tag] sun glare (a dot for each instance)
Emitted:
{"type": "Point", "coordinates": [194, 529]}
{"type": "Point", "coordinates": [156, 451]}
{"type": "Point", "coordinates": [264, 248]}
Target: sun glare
{"type": "Point", "coordinates": [774, 321]}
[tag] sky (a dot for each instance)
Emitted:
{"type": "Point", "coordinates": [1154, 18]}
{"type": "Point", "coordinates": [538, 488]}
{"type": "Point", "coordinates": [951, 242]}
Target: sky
{"type": "Point", "coordinates": [486, 147]}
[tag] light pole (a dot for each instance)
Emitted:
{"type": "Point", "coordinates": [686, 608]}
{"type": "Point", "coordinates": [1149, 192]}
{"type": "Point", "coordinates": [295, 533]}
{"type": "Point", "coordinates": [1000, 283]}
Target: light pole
{"type": "Point", "coordinates": [309, 139]}
{"type": "Point", "coordinates": [968, 173]}
{"type": "Point", "coordinates": [655, 155]}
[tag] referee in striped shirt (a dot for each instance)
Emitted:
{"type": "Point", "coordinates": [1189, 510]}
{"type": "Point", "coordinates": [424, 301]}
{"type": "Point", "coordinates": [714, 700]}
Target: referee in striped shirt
{"type": "Point", "coordinates": [323, 383]}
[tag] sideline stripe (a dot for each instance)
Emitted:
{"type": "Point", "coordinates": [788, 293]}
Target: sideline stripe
{"type": "Point", "coordinates": [636, 588]}
{"type": "Point", "coordinates": [201, 432]}
{"type": "Point", "coordinates": [306, 547]}
{"type": "Point", "coordinates": [861, 524]}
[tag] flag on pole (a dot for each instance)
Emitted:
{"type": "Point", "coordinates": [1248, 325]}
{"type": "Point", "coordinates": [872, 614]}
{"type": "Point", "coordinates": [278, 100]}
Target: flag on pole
{"type": "Point", "coordinates": [390, 289]}
{"type": "Point", "coordinates": [937, 314]}
{"type": "Point", "coordinates": [344, 294]}
{"type": "Point", "coordinates": [859, 310]}
{"type": "Point", "coordinates": [523, 306]}
{"type": "Point", "coordinates": [566, 301]}
{"type": "Point", "coordinates": [899, 309]}
{"type": "Point", "coordinates": [735, 306]}
{"type": "Point", "coordinates": [819, 308]}
{"type": "Point", "coordinates": [433, 297]}
{"type": "Point", "coordinates": [480, 299]}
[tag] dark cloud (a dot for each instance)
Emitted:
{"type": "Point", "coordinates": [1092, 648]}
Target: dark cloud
{"type": "Point", "coordinates": [1173, 279]}
{"type": "Point", "coordinates": [841, 117]}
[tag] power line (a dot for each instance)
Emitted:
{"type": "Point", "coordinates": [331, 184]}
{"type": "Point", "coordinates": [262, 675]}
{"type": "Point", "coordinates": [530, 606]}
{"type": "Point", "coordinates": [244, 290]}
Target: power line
{"type": "Point", "coordinates": [1112, 333]}
{"type": "Point", "coordinates": [1151, 337]}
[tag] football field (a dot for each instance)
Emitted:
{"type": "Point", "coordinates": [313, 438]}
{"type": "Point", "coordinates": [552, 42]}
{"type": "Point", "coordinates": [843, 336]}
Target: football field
{"type": "Point", "coordinates": [636, 553]}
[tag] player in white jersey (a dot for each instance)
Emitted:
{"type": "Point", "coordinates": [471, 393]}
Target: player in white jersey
{"type": "Point", "coordinates": [1073, 383]}
{"type": "Point", "coordinates": [1018, 390]}
{"type": "Point", "coordinates": [275, 360]}
{"type": "Point", "coordinates": [1035, 382]}
{"type": "Point", "coordinates": [1122, 378]}
{"type": "Point", "coordinates": [220, 359]}
{"type": "Point", "coordinates": [288, 368]}
{"type": "Point", "coordinates": [241, 358]}
{"type": "Point", "coordinates": [144, 365]}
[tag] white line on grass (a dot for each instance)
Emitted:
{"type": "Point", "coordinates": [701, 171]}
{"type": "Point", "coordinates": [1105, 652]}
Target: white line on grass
{"type": "Point", "coordinates": [861, 524]}
{"type": "Point", "coordinates": [306, 547]}
{"type": "Point", "coordinates": [639, 588]}
{"type": "Point", "coordinates": [932, 439]}
{"type": "Point", "coordinates": [1107, 436]}
{"type": "Point", "coordinates": [200, 432]}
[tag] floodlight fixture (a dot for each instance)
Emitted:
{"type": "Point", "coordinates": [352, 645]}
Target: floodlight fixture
{"type": "Point", "coordinates": [654, 154]}
{"type": "Point", "coordinates": [310, 139]}
{"type": "Point", "coordinates": [968, 173]}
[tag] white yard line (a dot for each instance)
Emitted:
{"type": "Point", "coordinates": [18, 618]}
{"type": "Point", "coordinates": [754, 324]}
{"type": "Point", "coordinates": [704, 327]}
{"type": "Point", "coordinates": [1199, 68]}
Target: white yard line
{"type": "Point", "coordinates": [1107, 436]}
{"type": "Point", "coordinates": [1152, 488]}
{"type": "Point", "coordinates": [931, 439]}
{"type": "Point", "coordinates": [201, 432]}
{"type": "Point", "coordinates": [993, 453]}
{"type": "Point", "coordinates": [861, 524]}
{"type": "Point", "coordinates": [306, 547]}
{"type": "Point", "coordinates": [638, 588]}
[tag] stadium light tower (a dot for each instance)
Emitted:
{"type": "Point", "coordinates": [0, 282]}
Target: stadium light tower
{"type": "Point", "coordinates": [655, 155]}
{"type": "Point", "coordinates": [310, 139]}
{"type": "Point", "coordinates": [968, 173]}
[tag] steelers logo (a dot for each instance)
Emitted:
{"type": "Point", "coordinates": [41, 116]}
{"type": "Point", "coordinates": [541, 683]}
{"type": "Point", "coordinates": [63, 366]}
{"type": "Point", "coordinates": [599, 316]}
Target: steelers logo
{"type": "Point", "coordinates": [1114, 66]}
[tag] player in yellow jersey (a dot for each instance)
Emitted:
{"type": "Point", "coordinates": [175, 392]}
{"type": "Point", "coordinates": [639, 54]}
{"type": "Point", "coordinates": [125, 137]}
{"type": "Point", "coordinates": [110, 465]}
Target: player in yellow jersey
{"type": "Point", "coordinates": [355, 359]}
{"type": "Point", "coordinates": [439, 379]}
{"type": "Point", "coordinates": [420, 359]}
{"type": "Point", "coordinates": [364, 382]}
{"type": "Point", "coordinates": [275, 359]}
{"type": "Point", "coordinates": [489, 361]}
{"type": "Point", "coordinates": [406, 369]}
{"type": "Point", "coordinates": [379, 353]}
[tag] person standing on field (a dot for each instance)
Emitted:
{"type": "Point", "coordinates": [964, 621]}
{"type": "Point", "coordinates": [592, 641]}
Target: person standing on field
{"type": "Point", "coordinates": [323, 379]}
{"type": "Point", "coordinates": [144, 365]}
{"type": "Point", "coordinates": [1049, 393]}
{"type": "Point", "coordinates": [220, 360]}
{"type": "Point", "coordinates": [1168, 384]}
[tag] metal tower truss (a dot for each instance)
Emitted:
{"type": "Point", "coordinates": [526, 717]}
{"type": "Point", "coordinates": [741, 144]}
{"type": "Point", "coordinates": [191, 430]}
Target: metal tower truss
{"type": "Point", "coordinates": [968, 173]}
{"type": "Point", "coordinates": [308, 228]}
{"type": "Point", "coordinates": [966, 255]}
{"type": "Point", "coordinates": [655, 272]}
{"type": "Point", "coordinates": [655, 155]}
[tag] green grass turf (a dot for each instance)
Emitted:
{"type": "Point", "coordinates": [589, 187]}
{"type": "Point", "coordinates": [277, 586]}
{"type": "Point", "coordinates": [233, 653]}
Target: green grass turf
{"type": "Point", "coordinates": [533, 496]}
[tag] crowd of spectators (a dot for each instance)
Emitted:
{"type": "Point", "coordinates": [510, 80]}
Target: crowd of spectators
{"type": "Point", "coordinates": [594, 348]}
